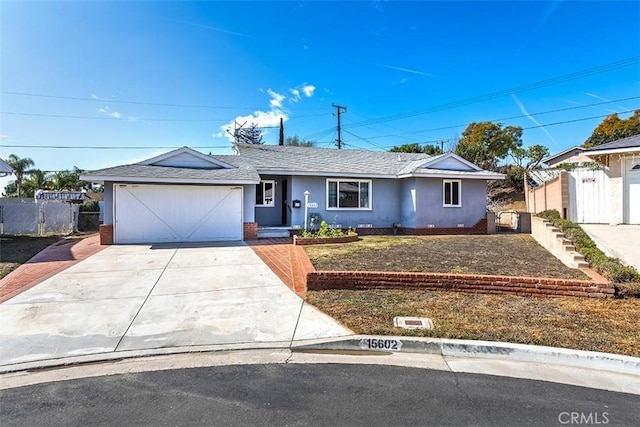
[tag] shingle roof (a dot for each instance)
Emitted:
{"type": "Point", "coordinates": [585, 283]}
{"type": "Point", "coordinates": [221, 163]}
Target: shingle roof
{"type": "Point", "coordinates": [152, 173]}
{"type": "Point", "coordinates": [5, 168]}
{"type": "Point", "coordinates": [252, 160]}
{"type": "Point", "coordinates": [628, 142]}
{"type": "Point", "coordinates": [320, 160]}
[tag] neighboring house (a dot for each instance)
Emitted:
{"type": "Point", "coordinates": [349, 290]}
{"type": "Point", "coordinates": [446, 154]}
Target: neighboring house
{"type": "Point", "coordinates": [607, 195]}
{"type": "Point", "coordinates": [184, 195]}
{"type": "Point", "coordinates": [5, 169]}
{"type": "Point", "coordinates": [574, 156]}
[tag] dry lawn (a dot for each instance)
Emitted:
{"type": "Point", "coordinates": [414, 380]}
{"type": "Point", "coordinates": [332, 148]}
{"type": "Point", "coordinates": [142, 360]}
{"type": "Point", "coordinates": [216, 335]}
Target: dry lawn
{"type": "Point", "coordinates": [609, 325]}
{"type": "Point", "coordinates": [19, 249]}
{"type": "Point", "coordinates": [498, 254]}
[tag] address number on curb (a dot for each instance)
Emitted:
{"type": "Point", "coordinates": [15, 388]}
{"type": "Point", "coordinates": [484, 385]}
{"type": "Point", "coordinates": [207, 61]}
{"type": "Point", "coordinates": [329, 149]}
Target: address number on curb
{"type": "Point", "coordinates": [380, 344]}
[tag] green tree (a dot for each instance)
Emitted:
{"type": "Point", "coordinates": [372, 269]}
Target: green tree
{"type": "Point", "coordinates": [251, 134]}
{"type": "Point", "coordinates": [431, 150]}
{"type": "Point", "coordinates": [37, 180]}
{"type": "Point", "coordinates": [529, 158]}
{"type": "Point", "coordinates": [20, 168]}
{"type": "Point", "coordinates": [486, 143]}
{"type": "Point", "coordinates": [69, 180]}
{"type": "Point", "coordinates": [294, 141]}
{"type": "Point", "coordinates": [613, 128]}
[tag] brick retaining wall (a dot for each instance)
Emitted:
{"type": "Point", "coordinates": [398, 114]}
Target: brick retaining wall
{"type": "Point", "coordinates": [322, 240]}
{"type": "Point", "coordinates": [522, 286]}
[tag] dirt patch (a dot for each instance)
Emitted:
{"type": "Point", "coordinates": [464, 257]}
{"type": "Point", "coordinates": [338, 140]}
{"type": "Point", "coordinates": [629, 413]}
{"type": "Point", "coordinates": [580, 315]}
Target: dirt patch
{"type": "Point", "coordinates": [17, 250]}
{"type": "Point", "coordinates": [594, 325]}
{"type": "Point", "coordinates": [506, 255]}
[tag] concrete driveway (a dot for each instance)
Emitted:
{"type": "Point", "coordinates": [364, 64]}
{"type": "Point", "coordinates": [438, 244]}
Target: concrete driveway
{"type": "Point", "coordinates": [147, 297]}
{"type": "Point", "coordinates": [617, 241]}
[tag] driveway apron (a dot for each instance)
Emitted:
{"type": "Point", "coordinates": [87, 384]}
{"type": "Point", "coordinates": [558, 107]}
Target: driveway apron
{"type": "Point", "coordinates": [618, 241]}
{"type": "Point", "coordinates": [165, 295]}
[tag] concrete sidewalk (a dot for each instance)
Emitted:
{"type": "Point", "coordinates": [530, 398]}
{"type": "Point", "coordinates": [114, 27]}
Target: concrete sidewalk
{"type": "Point", "coordinates": [617, 241]}
{"type": "Point", "coordinates": [144, 297]}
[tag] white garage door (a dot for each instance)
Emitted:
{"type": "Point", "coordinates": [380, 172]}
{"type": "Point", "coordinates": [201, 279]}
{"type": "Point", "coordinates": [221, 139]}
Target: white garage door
{"type": "Point", "coordinates": [632, 191]}
{"type": "Point", "coordinates": [176, 213]}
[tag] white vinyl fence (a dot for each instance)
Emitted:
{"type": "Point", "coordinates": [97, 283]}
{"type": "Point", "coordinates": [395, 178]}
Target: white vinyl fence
{"type": "Point", "coordinates": [31, 217]}
{"type": "Point", "coordinates": [589, 196]}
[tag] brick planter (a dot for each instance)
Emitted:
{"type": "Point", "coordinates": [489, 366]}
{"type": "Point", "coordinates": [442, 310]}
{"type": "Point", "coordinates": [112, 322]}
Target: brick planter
{"type": "Point", "coordinates": [297, 240]}
{"type": "Point", "coordinates": [522, 286]}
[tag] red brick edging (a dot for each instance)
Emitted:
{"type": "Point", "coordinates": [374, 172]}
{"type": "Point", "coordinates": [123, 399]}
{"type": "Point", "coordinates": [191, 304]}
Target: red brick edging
{"type": "Point", "coordinates": [323, 240]}
{"type": "Point", "coordinates": [522, 286]}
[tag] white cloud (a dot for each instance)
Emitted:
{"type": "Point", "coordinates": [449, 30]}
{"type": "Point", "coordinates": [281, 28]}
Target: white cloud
{"type": "Point", "coordinates": [271, 117]}
{"type": "Point", "coordinates": [308, 90]}
{"type": "Point", "coordinates": [276, 99]}
{"type": "Point", "coordinates": [3, 136]}
{"type": "Point", "coordinates": [109, 112]}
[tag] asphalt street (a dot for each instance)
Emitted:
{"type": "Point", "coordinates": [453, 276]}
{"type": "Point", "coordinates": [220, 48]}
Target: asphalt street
{"type": "Point", "coordinates": [312, 394]}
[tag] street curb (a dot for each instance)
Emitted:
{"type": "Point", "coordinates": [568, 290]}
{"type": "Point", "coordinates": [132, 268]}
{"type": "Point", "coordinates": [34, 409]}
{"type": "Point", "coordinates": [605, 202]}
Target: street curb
{"type": "Point", "coordinates": [485, 349]}
{"type": "Point", "coordinates": [353, 344]}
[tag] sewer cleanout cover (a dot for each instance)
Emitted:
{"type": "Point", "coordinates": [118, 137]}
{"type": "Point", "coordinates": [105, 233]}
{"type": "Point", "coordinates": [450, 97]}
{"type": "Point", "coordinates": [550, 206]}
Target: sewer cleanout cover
{"type": "Point", "coordinates": [413, 322]}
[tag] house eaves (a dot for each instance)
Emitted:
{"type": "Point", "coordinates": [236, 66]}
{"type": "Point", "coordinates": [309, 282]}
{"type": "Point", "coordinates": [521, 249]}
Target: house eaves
{"type": "Point", "coordinates": [613, 151]}
{"type": "Point", "coordinates": [452, 174]}
{"type": "Point", "coordinates": [102, 179]}
{"type": "Point", "coordinates": [325, 174]}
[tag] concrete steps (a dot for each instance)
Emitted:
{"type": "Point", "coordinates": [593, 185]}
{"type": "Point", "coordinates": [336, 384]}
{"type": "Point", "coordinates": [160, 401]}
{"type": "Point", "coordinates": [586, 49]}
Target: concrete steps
{"type": "Point", "coordinates": [273, 232]}
{"type": "Point", "coordinates": [555, 242]}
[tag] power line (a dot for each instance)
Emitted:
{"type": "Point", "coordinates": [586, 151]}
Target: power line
{"type": "Point", "coordinates": [532, 127]}
{"type": "Point", "coordinates": [111, 147]}
{"type": "Point", "coordinates": [132, 119]}
{"type": "Point", "coordinates": [118, 101]}
{"type": "Point", "coordinates": [500, 93]}
{"type": "Point", "coordinates": [510, 118]}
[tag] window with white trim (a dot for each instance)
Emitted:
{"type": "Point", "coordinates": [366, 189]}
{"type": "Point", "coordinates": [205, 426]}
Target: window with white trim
{"type": "Point", "coordinates": [451, 193]}
{"type": "Point", "coordinates": [348, 194]}
{"type": "Point", "coordinates": [265, 193]}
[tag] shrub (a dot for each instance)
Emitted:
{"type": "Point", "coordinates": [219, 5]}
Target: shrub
{"type": "Point", "coordinates": [90, 206]}
{"type": "Point", "coordinates": [611, 268]}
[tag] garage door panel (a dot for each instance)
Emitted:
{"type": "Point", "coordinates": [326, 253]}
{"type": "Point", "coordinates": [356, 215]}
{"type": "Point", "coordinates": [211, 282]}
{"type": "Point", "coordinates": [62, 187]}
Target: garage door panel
{"type": "Point", "coordinates": [152, 213]}
{"type": "Point", "coordinates": [632, 191]}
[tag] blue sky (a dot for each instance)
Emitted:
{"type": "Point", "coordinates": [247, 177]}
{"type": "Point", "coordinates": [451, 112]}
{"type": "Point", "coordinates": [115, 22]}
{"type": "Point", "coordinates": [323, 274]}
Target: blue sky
{"type": "Point", "coordinates": [162, 75]}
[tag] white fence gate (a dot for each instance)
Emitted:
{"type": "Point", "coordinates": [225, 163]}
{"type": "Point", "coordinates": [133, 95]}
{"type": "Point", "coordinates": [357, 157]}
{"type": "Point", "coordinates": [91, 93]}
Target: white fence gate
{"type": "Point", "coordinates": [589, 196]}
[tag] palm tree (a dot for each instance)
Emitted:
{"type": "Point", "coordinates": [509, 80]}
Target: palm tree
{"type": "Point", "coordinates": [20, 167]}
{"type": "Point", "coordinates": [37, 180]}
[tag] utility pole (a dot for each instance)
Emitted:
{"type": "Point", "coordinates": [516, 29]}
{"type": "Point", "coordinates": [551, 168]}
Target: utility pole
{"type": "Point", "coordinates": [340, 109]}
{"type": "Point", "coordinates": [281, 140]}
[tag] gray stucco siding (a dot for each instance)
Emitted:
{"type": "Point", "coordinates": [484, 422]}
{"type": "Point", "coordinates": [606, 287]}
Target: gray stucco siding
{"type": "Point", "coordinates": [384, 199]}
{"type": "Point", "coordinates": [430, 209]}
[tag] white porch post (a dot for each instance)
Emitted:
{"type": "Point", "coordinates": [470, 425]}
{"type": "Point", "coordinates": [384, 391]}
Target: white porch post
{"type": "Point", "coordinates": [306, 207]}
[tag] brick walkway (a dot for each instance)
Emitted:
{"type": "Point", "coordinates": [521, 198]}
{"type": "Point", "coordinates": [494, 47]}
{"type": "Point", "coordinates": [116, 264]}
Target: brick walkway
{"type": "Point", "coordinates": [287, 261]}
{"type": "Point", "coordinates": [44, 264]}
